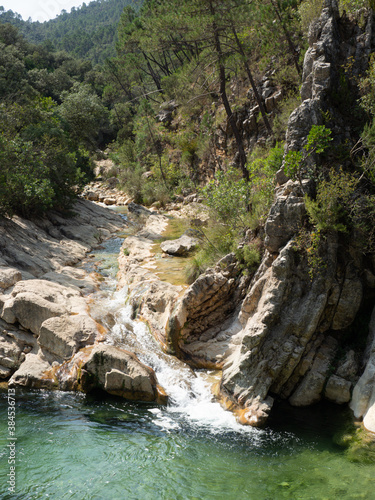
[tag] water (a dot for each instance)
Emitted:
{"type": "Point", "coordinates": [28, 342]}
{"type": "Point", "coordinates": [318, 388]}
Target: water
{"type": "Point", "coordinates": [75, 446]}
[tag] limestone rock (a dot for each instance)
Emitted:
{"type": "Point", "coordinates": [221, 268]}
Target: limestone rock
{"type": "Point", "coordinates": [310, 389]}
{"type": "Point", "coordinates": [363, 399]}
{"type": "Point", "coordinates": [8, 277]}
{"type": "Point", "coordinates": [138, 209]}
{"type": "Point", "coordinates": [285, 217]}
{"type": "Point", "coordinates": [338, 390]}
{"type": "Point", "coordinates": [120, 373]}
{"type": "Point", "coordinates": [14, 345]}
{"type": "Point", "coordinates": [280, 315]}
{"type": "Point", "coordinates": [200, 327]}
{"type": "Point", "coordinates": [63, 336]}
{"type": "Point", "coordinates": [180, 246]}
{"type": "Point", "coordinates": [34, 301]}
{"type": "Point", "coordinates": [34, 372]}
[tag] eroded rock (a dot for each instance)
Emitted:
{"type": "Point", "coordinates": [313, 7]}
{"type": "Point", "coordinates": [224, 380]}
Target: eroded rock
{"type": "Point", "coordinates": [119, 373]}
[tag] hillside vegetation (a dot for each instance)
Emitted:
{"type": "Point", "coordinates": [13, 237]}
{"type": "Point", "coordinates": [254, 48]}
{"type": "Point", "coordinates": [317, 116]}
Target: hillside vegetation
{"type": "Point", "coordinates": [198, 94]}
{"type": "Point", "coordinates": [89, 31]}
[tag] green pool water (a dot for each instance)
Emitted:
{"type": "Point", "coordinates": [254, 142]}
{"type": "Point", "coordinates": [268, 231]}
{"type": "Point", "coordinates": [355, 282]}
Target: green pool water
{"type": "Point", "coordinates": [71, 446]}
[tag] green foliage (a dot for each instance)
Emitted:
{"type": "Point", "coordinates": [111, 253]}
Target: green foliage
{"type": "Point", "coordinates": [296, 162]}
{"type": "Point", "coordinates": [331, 209]}
{"type": "Point", "coordinates": [248, 256]}
{"type": "Point", "coordinates": [217, 242]}
{"type": "Point", "coordinates": [44, 160]}
{"type": "Point", "coordinates": [308, 11]}
{"type": "Point", "coordinates": [229, 198]}
{"type": "Point", "coordinates": [89, 31]}
{"type": "Point", "coordinates": [351, 6]}
{"type": "Point", "coordinates": [84, 114]}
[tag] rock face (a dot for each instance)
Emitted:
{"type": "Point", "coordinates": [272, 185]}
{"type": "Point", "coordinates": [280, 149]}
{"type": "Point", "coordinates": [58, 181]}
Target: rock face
{"type": "Point", "coordinates": [363, 401]}
{"type": "Point", "coordinates": [119, 373]}
{"type": "Point", "coordinates": [291, 325]}
{"type": "Point", "coordinates": [201, 325]}
{"type": "Point", "coordinates": [44, 316]}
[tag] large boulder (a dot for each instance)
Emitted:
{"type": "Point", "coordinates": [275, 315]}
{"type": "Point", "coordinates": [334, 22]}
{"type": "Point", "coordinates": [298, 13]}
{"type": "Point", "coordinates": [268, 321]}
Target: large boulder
{"type": "Point", "coordinates": [32, 302]}
{"type": "Point", "coordinates": [119, 373]}
{"type": "Point", "coordinates": [63, 336]}
{"type": "Point", "coordinates": [180, 246]}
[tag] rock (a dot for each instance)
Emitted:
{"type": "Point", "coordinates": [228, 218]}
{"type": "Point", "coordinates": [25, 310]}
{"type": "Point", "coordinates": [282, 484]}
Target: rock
{"type": "Point", "coordinates": [310, 389]}
{"type": "Point", "coordinates": [37, 247]}
{"type": "Point", "coordinates": [363, 399]}
{"type": "Point", "coordinates": [348, 368]}
{"type": "Point", "coordinates": [138, 209]}
{"type": "Point", "coordinates": [349, 302]}
{"type": "Point", "coordinates": [257, 413]}
{"type": "Point", "coordinates": [119, 373]}
{"type": "Point", "coordinates": [338, 390]}
{"type": "Point", "coordinates": [14, 344]}
{"type": "Point", "coordinates": [63, 336]}
{"type": "Point", "coordinates": [279, 316]}
{"type": "Point", "coordinates": [34, 372]}
{"type": "Point", "coordinates": [92, 196]}
{"type": "Point", "coordinates": [180, 246]}
{"type": "Point", "coordinates": [109, 201]}
{"type": "Point", "coordinates": [200, 327]}
{"type": "Point", "coordinates": [8, 277]}
{"type": "Point", "coordinates": [34, 301]}
{"type": "Point", "coordinates": [285, 217]}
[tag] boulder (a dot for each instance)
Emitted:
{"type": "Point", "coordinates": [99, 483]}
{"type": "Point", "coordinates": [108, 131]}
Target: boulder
{"type": "Point", "coordinates": [119, 373]}
{"type": "Point", "coordinates": [34, 301]}
{"type": "Point", "coordinates": [9, 276]}
{"type": "Point", "coordinates": [14, 345]}
{"type": "Point", "coordinates": [138, 209]}
{"type": "Point", "coordinates": [63, 336]}
{"type": "Point", "coordinates": [180, 246]}
{"type": "Point", "coordinates": [34, 372]}
{"type": "Point", "coordinates": [338, 390]}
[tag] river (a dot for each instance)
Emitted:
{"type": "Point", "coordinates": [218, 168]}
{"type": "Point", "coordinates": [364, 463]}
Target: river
{"type": "Point", "coordinates": [91, 447]}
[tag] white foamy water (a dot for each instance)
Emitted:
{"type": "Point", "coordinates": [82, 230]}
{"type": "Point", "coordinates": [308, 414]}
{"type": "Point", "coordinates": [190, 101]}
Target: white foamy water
{"type": "Point", "coordinates": [190, 398]}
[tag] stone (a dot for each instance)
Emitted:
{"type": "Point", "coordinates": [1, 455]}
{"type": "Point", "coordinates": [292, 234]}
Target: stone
{"type": "Point", "coordinates": [9, 276]}
{"type": "Point", "coordinates": [119, 373]}
{"type": "Point", "coordinates": [109, 201]}
{"type": "Point", "coordinates": [14, 344]}
{"type": "Point", "coordinates": [180, 246]}
{"type": "Point", "coordinates": [363, 398]}
{"type": "Point", "coordinates": [34, 301]}
{"type": "Point", "coordinates": [138, 209]}
{"type": "Point", "coordinates": [63, 336]}
{"type": "Point", "coordinates": [34, 373]}
{"type": "Point", "coordinates": [92, 196]}
{"type": "Point", "coordinates": [338, 390]}
{"type": "Point", "coordinates": [285, 217]}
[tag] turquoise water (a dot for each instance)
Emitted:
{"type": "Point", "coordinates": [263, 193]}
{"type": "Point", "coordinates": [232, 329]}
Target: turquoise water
{"type": "Point", "coordinates": [71, 446]}
{"type": "Point", "coordinates": [86, 447]}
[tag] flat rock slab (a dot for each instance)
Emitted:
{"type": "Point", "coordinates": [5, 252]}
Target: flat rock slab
{"type": "Point", "coordinates": [181, 246]}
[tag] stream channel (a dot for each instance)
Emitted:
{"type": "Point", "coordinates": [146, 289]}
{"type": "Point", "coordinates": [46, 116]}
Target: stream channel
{"type": "Point", "coordinates": [86, 447]}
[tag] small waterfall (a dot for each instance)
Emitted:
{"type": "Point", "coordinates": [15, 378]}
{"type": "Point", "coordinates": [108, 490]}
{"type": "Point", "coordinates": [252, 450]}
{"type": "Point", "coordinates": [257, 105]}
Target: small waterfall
{"type": "Point", "coordinates": [190, 397]}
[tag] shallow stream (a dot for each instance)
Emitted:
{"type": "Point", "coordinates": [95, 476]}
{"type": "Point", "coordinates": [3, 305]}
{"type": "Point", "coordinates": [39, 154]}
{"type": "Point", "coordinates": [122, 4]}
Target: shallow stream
{"type": "Point", "coordinates": [86, 447]}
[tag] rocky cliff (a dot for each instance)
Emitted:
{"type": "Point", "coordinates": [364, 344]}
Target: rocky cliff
{"type": "Point", "coordinates": [293, 343]}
